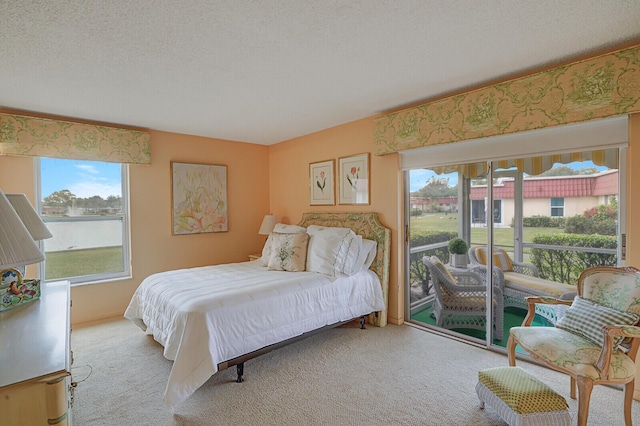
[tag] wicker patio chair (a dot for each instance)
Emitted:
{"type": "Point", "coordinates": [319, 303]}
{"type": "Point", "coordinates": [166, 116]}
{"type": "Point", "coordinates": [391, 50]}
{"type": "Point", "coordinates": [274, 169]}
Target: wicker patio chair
{"type": "Point", "coordinates": [521, 280]}
{"type": "Point", "coordinates": [460, 300]}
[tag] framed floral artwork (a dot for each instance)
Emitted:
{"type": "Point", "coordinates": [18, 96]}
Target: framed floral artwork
{"type": "Point", "coordinates": [198, 198]}
{"type": "Point", "coordinates": [322, 183]}
{"type": "Point", "coordinates": [354, 179]}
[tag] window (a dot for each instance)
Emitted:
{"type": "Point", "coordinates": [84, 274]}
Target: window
{"type": "Point", "coordinates": [84, 205]}
{"type": "Point", "coordinates": [557, 206]}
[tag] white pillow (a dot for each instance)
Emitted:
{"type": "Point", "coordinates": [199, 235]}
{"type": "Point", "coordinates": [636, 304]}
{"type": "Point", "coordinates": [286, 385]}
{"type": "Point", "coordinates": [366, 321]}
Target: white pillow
{"type": "Point", "coordinates": [266, 250]}
{"type": "Point", "coordinates": [367, 255]}
{"type": "Point", "coordinates": [332, 251]}
{"type": "Point", "coordinates": [280, 228]}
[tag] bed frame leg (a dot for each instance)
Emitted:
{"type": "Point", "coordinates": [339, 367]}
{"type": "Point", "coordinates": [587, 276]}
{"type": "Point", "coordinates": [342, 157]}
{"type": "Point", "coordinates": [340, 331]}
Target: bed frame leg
{"type": "Point", "coordinates": [240, 371]}
{"type": "Point", "coordinates": [362, 327]}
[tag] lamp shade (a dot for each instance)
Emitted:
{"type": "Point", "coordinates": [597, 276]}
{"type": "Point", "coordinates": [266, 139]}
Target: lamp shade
{"type": "Point", "coordinates": [29, 217]}
{"type": "Point", "coordinates": [17, 248]}
{"type": "Point", "coordinates": [268, 223]}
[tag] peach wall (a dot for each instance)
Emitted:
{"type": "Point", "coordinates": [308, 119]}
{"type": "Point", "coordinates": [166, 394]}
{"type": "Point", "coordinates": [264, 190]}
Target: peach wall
{"type": "Point", "coordinates": [18, 178]}
{"type": "Point", "coordinates": [153, 248]}
{"type": "Point", "coordinates": [633, 206]}
{"type": "Point", "coordinates": [289, 185]}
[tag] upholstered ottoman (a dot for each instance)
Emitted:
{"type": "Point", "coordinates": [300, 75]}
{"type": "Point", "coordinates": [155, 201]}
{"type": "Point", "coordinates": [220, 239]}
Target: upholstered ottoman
{"type": "Point", "coordinates": [521, 399]}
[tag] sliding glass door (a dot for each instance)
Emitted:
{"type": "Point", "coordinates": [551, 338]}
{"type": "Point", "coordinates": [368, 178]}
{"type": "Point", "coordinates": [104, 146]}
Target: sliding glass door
{"type": "Point", "coordinates": [555, 215]}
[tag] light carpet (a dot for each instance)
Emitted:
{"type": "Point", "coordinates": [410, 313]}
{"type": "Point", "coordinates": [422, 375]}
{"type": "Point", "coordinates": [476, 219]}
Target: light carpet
{"type": "Point", "coordinates": [395, 375]}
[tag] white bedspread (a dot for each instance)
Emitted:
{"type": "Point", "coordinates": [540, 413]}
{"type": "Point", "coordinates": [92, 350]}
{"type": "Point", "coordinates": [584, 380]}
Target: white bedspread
{"type": "Point", "coordinates": [204, 316]}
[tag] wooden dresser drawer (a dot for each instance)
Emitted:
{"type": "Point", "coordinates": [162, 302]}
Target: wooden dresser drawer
{"type": "Point", "coordinates": [57, 399]}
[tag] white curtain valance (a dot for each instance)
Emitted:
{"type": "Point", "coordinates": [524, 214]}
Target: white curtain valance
{"type": "Point", "coordinates": [43, 137]}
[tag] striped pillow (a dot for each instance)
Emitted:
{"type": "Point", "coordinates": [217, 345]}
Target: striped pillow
{"type": "Point", "coordinates": [500, 258]}
{"type": "Point", "coordinates": [586, 318]}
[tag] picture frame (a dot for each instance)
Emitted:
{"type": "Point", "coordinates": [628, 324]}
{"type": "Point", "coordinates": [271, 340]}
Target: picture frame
{"type": "Point", "coordinates": [354, 179]}
{"type": "Point", "coordinates": [322, 183]}
{"type": "Point", "coordinates": [198, 198]}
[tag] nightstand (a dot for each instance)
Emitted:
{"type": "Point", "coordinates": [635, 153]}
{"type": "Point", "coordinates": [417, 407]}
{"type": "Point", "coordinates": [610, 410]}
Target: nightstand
{"type": "Point", "coordinates": [254, 256]}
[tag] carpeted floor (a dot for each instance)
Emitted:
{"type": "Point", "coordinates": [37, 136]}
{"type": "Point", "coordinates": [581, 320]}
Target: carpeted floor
{"type": "Point", "coordinates": [396, 375]}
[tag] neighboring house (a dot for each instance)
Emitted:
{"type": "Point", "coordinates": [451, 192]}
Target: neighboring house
{"type": "Point", "coordinates": [433, 205]}
{"type": "Point", "coordinates": [561, 196]}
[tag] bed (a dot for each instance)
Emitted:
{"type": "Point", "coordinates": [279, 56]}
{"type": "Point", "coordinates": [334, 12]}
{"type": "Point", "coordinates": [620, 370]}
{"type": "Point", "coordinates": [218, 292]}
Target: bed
{"type": "Point", "coordinates": [214, 317]}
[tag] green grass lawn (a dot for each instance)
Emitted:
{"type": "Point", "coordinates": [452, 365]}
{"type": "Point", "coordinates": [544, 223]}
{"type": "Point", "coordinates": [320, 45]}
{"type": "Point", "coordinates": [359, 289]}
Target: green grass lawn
{"type": "Point", "coordinates": [501, 236]}
{"type": "Point", "coordinates": [77, 263]}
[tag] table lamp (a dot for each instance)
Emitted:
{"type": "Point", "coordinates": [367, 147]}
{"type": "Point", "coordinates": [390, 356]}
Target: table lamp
{"type": "Point", "coordinates": [36, 227]}
{"type": "Point", "coordinates": [17, 248]}
{"type": "Point", "coordinates": [268, 223]}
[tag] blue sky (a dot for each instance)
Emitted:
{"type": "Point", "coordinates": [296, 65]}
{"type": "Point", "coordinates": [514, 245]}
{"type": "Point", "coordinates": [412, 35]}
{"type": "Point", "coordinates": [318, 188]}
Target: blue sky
{"type": "Point", "coordinates": [88, 178]}
{"type": "Point", "coordinates": [83, 178]}
{"type": "Point", "coordinates": [419, 177]}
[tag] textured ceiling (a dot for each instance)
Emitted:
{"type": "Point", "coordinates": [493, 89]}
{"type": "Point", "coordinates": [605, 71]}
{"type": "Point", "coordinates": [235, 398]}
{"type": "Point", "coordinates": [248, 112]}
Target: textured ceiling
{"type": "Point", "coordinates": [268, 71]}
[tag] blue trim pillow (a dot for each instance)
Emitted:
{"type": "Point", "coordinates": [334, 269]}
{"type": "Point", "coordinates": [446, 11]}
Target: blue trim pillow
{"type": "Point", "coordinates": [586, 319]}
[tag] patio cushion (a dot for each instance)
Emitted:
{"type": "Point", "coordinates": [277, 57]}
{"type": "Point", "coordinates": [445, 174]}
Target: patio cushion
{"type": "Point", "coordinates": [540, 286]}
{"type": "Point", "coordinates": [438, 264]}
{"type": "Point", "coordinates": [500, 258]}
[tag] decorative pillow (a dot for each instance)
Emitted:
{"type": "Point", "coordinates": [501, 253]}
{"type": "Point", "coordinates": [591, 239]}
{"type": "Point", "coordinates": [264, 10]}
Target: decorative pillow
{"type": "Point", "coordinates": [501, 258]}
{"type": "Point", "coordinates": [586, 318]}
{"type": "Point", "coordinates": [280, 228]}
{"type": "Point", "coordinates": [332, 251]}
{"type": "Point", "coordinates": [288, 252]}
{"type": "Point", "coordinates": [438, 264]}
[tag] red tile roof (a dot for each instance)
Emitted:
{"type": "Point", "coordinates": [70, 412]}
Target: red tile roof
{"type": "Point", "coordinates": [603, 183]}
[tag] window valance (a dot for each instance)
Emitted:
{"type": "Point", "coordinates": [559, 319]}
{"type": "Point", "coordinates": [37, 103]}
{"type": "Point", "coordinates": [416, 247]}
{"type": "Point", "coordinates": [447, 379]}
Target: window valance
{"type": "Point", "coordinates": [43, 137]}
{"type": "Point", "coordinates": [604, 86]}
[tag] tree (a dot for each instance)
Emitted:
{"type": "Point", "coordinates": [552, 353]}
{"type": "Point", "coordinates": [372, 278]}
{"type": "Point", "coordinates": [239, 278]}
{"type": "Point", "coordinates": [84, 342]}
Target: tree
{"type": "Point", "coordinates": [92, 205]}
{"type": "Point", "coordinates": [602, 220]}
{"type": "Point", "coordinates": [436, 188]}
{"type": "Point", "coordinates": [114, 202]}
{"type": "Point", "coordinates": [568, 171]}
{"type": "Point", "coordinates": [62, 198]}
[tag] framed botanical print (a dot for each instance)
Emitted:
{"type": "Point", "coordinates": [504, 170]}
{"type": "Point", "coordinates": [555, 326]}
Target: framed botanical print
{"type": "Point", "coordinates": [198, 198]}
{"type": "Point", "coordinates": [354, 179]}
{"type": "Point", "coordinates": [322, 184]}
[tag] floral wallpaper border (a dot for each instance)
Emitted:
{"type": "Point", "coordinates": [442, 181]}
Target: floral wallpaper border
{"type": "Point", "coordinates": [44, 137]}
{"type": "Point", "coordinates": [599, 87]}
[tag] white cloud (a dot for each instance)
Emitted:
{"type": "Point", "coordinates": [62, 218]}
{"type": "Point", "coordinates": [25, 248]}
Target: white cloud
{"type": "Point", "coordinates": [87, 168]}
{"type": "Point", "coordinates": [89, 189]}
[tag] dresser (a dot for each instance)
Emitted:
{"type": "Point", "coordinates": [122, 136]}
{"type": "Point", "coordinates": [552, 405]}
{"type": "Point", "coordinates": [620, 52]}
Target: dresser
{"type": "Point", "coordinates": [35, 360]}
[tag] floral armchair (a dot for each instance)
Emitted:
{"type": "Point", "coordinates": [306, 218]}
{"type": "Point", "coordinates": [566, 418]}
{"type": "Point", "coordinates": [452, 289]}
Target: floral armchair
{"type": "Point", "coordinates": [461, 298]}
{"type": "Point", "coordinates": [595, 342]}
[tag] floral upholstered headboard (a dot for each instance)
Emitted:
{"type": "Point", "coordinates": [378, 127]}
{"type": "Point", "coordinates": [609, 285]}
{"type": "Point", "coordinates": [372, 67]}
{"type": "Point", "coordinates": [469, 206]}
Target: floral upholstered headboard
{"type": "Point", "coordinates": [368, 226]}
